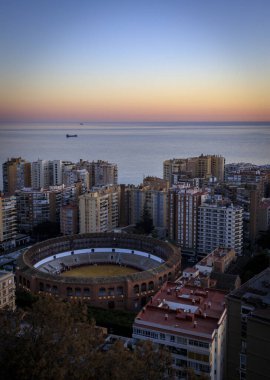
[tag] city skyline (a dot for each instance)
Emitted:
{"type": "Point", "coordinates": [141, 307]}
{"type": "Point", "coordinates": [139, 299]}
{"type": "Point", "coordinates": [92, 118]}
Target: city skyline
{"type": "Point", "coordinates": [143, 61]}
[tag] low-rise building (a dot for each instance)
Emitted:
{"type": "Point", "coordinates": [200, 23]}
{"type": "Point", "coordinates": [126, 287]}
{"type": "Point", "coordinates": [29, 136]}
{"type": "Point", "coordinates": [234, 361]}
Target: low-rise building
{"type": "Point", "coordinates": [7, 290]}
{"type": "Point", "coordinates": [191, 322]}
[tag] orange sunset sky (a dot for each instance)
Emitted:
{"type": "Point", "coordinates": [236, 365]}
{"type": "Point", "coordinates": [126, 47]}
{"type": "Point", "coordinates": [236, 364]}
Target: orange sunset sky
{"type": "Point", "coordinates": [135, 61]}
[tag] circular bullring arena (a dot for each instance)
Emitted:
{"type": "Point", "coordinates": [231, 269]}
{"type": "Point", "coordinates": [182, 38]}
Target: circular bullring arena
{"type": "Point", "coordinates": [109, 270]}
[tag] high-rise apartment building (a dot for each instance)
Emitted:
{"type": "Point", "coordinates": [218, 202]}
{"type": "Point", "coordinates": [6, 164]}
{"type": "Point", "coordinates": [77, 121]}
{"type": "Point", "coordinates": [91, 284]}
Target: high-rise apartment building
{"type": "Point", "coordinates": [16, 175]}
{"type": "Point", "coordinates": [248, 338]}
{"type": "Point", "coordinates": [248, 197]}
{"type": "Point", "coordinates": [40, 174]}
{"type": "Point", "coordinates": [155, 202]}
{"type": "Point", "coordinates": [191, 323]}
{"type": "Point", "coordinates": [56, 170]}
{"type": "Point", "coordinates": [8, 221]}
{"type": "Point", "coordinates": [69, 219]}
{"type": "Point", "coordinates": [102, 173]}
{"type": "Point", "coordinates": [172, 167]}
{"type": "Point", "coordinates": [33, 208]}
{"type": "Point", "coordinates": [46, 173]}
{"type": "Point", "coordinates": [195, 167]}
{"type": "Point", "coordinates": [38, 206]}
{"type": "Point", "coordinates": [219, 225]}
{"type": "Point", "coordinates": [99, 209]}
{"type": "Point", "coordinates": [72, 176]}
{"type": "Point", "coordinates": [183, 215]}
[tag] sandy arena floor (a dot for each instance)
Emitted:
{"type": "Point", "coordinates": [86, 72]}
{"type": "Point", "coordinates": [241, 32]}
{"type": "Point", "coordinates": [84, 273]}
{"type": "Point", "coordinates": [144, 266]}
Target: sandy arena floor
{"type": "Point", "coordinates": [99, 271]}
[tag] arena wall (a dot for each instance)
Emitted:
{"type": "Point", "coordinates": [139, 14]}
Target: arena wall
{"type": "Point", "coordinates": [128, 292]}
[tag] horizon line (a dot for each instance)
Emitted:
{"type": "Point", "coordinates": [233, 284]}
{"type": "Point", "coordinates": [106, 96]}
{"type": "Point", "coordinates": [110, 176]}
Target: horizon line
{"type": "Point", "coordinates": [139, 121]}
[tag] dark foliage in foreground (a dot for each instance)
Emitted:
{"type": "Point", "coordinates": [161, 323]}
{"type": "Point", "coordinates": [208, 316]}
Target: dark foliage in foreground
{"type": "Point", "coordinates": [55, 340]}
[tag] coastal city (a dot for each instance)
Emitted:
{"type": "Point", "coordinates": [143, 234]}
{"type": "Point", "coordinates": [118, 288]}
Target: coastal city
{"type": "Point", "coordinates": [189, 252]}
{"type": "Point", "coordinates": [134, 190]}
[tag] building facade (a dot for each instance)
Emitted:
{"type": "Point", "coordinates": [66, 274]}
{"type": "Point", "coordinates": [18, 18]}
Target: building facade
{"type": "Point", "coordinates": [99, 210]}
{"type": "Point", "coordinates": [7, 290]}
{"type": "Point", "coordinates": [69, 219]}
{"type": "Point", "coordinates": [155, 202]}
{"type": "Point", "coordinates": [191, 323]}
{"type": "Point", "coordinates": [248, 340]}
{"type": "Point", "coordinates": [203, 166]}
{"type": "Point", "coordinates": [182, 215]}
{"type": "Point", "coordinates": [16, 175]}
{"type": "Point", "coordinates": [8, 221]}
{"type": "Point", "coordinates": [219, 225]}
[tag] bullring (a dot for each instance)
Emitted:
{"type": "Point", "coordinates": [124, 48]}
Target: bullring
{"type": "Point", "coordinates": [40, 268]}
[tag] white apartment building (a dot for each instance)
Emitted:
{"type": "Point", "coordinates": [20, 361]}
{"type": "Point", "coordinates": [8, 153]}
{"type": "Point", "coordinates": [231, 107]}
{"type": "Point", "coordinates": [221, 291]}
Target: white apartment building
{"type": "Point", "coordinates": [99, 210]}
{"type": "Point", "coordinates": [191, 323]}
{"type": "Point", "coordinates": [40, 176]}
{"type": "Point", "coordinates": [219, 225]}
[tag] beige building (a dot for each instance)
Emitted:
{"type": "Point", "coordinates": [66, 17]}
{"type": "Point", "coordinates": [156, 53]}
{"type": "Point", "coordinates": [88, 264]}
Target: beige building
{"type": "Point", "coordinates": [99, 209]}
{"type": "Point", "coordinates": [210, 272]}
{"type": "Point", "coordinates": [218, 260]}
{"type": "Point", "coordinates": [195, 167]}
{"type": "Point", "coordinates": [183, 214]}
{"type": "Point", "coordinates": [248, 338]}
{"type": "Point", "coordinates": [7, 290]}
{"type": "Point", "coordinates": [16, 175]}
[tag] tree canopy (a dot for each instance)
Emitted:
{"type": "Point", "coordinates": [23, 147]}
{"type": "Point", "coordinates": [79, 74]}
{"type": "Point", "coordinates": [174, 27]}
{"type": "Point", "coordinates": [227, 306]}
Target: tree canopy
{"type": "Point", "coordinates": [56, 340]}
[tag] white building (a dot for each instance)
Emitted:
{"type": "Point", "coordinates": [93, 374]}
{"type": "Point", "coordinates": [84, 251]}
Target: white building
{"type": "Point", "coordinates": [191, 323]}
{"type": "Point", "coordinates": [40, 175]}
{"type": "Point", "coordinates": [219, 225]}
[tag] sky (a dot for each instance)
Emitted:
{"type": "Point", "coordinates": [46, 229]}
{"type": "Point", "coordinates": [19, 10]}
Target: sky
{"type": "Point", "coordinates": [104, 60]}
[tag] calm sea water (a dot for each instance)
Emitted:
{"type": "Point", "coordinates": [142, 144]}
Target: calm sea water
{"type": "Point", "coordinates": [138, 149]}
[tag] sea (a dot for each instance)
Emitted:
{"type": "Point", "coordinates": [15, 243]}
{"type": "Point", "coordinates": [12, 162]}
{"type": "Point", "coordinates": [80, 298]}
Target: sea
{"type": "Point", "coordinates": [138, 149]}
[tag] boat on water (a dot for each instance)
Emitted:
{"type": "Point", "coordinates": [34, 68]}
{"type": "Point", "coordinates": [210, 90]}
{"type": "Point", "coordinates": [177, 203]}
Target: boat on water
{"type": "Point", "coordinates": [71, 135]}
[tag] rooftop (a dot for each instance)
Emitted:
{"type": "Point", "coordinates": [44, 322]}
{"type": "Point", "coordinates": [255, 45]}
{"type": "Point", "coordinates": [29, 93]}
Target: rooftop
{"type": "Point", "coordinates": [195, 310]}
{"type": "Point", "coordinates": [256, 291]}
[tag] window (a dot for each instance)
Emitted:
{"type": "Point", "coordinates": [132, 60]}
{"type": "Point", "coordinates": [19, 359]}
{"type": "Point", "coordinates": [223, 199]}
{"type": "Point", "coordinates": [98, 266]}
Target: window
{"type": "Point", "coordinates": [102, 292]}
{"type": "Point", "coordinates": [162, 336]}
